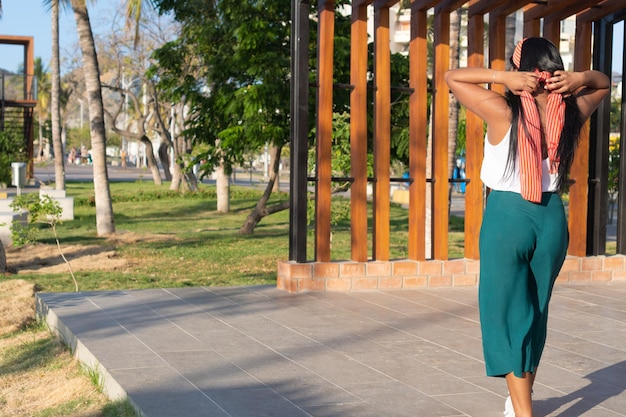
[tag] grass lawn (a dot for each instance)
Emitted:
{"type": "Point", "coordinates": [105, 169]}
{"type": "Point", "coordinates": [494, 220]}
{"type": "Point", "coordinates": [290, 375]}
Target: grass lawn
{"type": "Point", "coordinates": [183, 241]}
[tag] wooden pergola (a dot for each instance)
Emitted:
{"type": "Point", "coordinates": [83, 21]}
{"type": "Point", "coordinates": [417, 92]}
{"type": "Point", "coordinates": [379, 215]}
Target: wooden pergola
{"type": "Point", "coordinates": [588, 194]}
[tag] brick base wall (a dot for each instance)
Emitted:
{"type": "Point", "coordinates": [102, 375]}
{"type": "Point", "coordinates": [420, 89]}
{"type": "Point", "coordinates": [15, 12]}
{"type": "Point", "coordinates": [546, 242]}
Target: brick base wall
{"type": "Point", "coordinates": [407, 275]}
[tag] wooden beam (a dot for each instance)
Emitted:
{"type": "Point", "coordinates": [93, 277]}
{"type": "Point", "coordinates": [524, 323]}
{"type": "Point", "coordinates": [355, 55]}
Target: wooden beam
{"type": "Point", "coordinates": [482, 7]}
{"type": "Point", "coordinates": [382, 133]}
{"type": "Point", "coordinates": [358, 133]}
{"type": "Point", "coordinates": [569, 10]}
{"type": "Point", "coordinates": [440, 137]}
{"type": "Point", "coordinates": [380, 4]}
{"type": "Point", "coordinates": [418, 131]}
{"type": "Point", "coordinates": [324, 130]}
{"type": "Point", "coordinates": [449, 5]}
{"type": "Point", "coordinates": [420, 5]}
{"type": "Point", "coordinates": [510, 7]}
{"type": "Point", "coordinates": [603, 9]}
{"type": "Point", "coordinates": [579, 173]}
{"type": "Point", "coordinates": [474, 142]}
{"type": "Point", "coordinates": [360, 3]}
{"type": "Point", "coordinates": [539, 11]}
{"type": "Point", "coordinates": [15, 40]}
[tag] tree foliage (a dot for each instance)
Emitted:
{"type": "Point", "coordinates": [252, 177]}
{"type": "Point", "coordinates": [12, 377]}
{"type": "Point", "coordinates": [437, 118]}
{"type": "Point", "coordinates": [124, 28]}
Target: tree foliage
{"type": "Point", "coordinates": [231, 67]}
{"type": "Point", "coordinates": [12, 149]}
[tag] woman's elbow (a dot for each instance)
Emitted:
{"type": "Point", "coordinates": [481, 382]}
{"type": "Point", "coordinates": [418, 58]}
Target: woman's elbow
{"type": "Point", "coordinates": [448, 77]}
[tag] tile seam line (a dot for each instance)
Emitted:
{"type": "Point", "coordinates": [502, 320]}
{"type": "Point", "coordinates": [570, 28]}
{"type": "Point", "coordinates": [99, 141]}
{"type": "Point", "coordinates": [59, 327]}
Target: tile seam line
{"type": "Point", "coordinates": [126, 293]}
{"type": "Point", "coordinates": [348, 356]}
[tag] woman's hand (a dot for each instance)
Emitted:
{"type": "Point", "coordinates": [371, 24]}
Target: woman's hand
{"type": "Point", "coordinates": [564, 82]}
{"type": "Point", "coordinates": [519, 81]}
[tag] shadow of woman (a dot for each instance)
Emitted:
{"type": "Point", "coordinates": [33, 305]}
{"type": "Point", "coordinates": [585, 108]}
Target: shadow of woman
{"type": "Point", "coordinates": [604, 384]}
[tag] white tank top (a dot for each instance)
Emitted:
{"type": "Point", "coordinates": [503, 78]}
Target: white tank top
{"type": "Point", "coordinates": [494, 173]}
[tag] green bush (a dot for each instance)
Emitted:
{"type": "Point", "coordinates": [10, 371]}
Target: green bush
{"type": "Point", "coordinates": [11, 150]}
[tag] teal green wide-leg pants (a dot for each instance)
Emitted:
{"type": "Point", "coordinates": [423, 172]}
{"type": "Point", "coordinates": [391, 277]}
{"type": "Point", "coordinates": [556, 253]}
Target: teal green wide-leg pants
{"type": "Point", "coordinates": [522, 248]}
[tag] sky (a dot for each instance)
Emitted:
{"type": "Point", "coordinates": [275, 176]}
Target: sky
{"type": "Point", "coordinates": [30, 18]}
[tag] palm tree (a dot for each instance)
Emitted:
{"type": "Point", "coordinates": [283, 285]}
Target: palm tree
{"type": "Point", "coordinates": [55, 101]}
{"type": "Point", "coordinates": [133, 15]}
{"type": "Point", "coordinates": [105, 223]}
{"type": "Point", "coordinates": [43, 97]}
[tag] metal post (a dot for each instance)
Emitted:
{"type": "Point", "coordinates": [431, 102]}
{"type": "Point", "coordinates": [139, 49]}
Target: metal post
{"type": "Point", "coordinates": [621, 204]}
{"type": "Point", "coordinates": [299, 129]}
{"type": "Point", "coordinates": [599, 148]}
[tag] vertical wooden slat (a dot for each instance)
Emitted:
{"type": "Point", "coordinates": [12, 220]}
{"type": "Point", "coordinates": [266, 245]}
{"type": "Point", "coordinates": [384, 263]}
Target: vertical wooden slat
{"type": "Point", "coordinates": [382, 133]}
{"type": "Point", "coordinates": [497, 47]}
{"type": "Point", "coordinates": [532, 27]}
{"type": "Point", "coordinates": [579, 191]}
{"type": "Point", "coordinates": [324, 129]}
{"type": "Point", "coordinates": [474, 143]}
{"type": "Point", "coordinates": [29, 65]}
{"type": "Point", "coordinates": [552, 31]}
{"type": "Point", "coordinates": [440, 136]}
{"type": "Point", "coordinates": [29, 68]}
{"type": "Point", "coordinates": [418, 123]}
{"type": "Point", "coordinates": [358, 133]}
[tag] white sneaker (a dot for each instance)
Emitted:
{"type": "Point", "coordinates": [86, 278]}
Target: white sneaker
{"type": "Point", "coordinates": [508, 407]}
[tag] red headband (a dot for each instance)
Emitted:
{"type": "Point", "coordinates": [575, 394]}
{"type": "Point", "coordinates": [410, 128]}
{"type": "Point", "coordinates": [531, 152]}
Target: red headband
{"type": "Point", "coordinates": [517, 54]}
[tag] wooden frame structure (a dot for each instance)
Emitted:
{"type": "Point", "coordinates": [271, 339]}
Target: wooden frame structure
{"type": "Point", "coordinates": [375, 270]}
{"type": "Point", "coordinates": [25, 101]}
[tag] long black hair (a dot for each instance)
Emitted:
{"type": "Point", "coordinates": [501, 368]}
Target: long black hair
{"type": "Point", "coordinates": [541, 54]}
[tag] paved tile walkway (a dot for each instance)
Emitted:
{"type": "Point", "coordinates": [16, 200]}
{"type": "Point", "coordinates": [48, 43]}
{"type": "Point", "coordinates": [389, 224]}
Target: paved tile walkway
{"type": "Point", "coordinates": [258, 351]}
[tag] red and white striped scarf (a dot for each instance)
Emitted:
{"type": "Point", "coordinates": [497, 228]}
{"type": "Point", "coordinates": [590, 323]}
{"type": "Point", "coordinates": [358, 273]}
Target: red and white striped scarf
{"type": "Point", "coordinates": [529, 138]}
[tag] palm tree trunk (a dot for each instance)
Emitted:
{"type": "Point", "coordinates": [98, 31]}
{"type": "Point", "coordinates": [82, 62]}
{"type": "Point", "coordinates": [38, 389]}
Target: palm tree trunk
{"type": "Point", "coordinates": [59, 160]}
{"type": "Point", "coordinates": [105, 223]}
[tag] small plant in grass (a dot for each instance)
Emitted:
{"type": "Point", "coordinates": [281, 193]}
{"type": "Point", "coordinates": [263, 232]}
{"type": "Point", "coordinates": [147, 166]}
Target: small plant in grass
{"type": "Point", "coordinates": [42, 210]}
{"type": "Point", "coordinates": [94, 376]}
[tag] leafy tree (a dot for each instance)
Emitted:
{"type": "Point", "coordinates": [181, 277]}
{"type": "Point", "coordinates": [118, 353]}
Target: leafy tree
{"type": "Point", "coordinates": [133, 105]}
{"type": "Point", "coordinates": [231, 68]}
{"type": "Point", "coordinates": [42, 74]}
{"type": "Point", "coordinates": [12, 149]}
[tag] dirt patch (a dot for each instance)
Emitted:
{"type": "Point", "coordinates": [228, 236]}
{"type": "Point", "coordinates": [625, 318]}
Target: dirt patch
{"type": "Point", "coordinates": [44, 258]}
